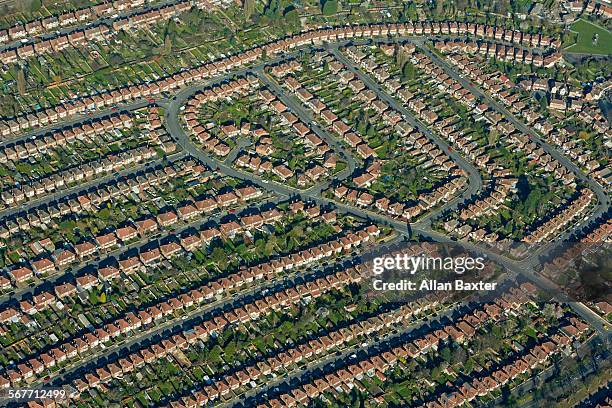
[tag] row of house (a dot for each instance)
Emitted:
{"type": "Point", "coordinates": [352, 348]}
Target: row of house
{"type": "Point", "coordinates": [208, 291]}
{"type": "Point", "coordinates": [309, 351]}
{"type": "Point", "coordinates": [84, 202]}
{"type": "Point", "coordinates": [574, 209]}
{"type": "Point", "coordinates": [56, 44]}
{"type": "Point", "coordinates": [479, 387]}
{"type": "Point", "coordinates": [589, 240]}
{"type": "Point", "coordinates": [49, 24]}
{"type": "Point", "coordinates": [504, 127]}
{"type": "Point", "coordinates": [495, 84]}
{"type": "Point", "coordinates": [69, 134]}
{"type": "Point", "coordinates": [601, 9]}
{"type": "Point", "coordinates": [142, 228]}
{"type": "Point", "coordinates": [242, 85]}
{"type": "Point", "coordinates": [81, 173]}
{"type": "Point", "coordinates": [284, 68]}
{"type": "Point", "coordinates": [44, 216]}
{"type": "Point", "coordinates": [88, 33]}
{"type": "Point", "coordinates": [486, 205]}
{"type": "Point", "coordinates": [405, 212]}
{"type": "Point", "coordinates": [500, 52]}
{"type": "Point", "coordinates": [343, 379]}
{"type": "Point", "coordinates": [91, 130]}
{"type": "Point", "coordinates": [489, 201]}
{"type": "Point", "coordinates": [109, 97]}
{"type": "Point", "coordinates": [243, 314]}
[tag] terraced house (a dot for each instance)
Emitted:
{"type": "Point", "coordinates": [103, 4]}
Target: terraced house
{"type": "Point", "coordinates": [201, 199]}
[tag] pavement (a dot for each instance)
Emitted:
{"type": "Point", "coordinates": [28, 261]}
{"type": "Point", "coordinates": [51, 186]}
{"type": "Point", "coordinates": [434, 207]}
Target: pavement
{"type": "Point", "coordinates": [76, 120]}
{"type": "Point", "coordinates": [422, 227]}
{"type": "Point", "coordinates": [91, 23]}
{"type": "Point", "coordinates": [349, 355]}
{"type": "Point", "coordinates": [249, 294]}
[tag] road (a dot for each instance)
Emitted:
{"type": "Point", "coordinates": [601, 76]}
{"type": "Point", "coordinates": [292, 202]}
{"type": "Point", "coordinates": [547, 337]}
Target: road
{"type": "Point", "coordinates": [200, 314]}
{"type": "Point", "coordinates": [422, 227]}
{"type": "Point", "coordinates": [475, 181]}
{"type": "Point", "coordinates": [317, 368]}
{"type": "Point", "coordinates": [88, 186]}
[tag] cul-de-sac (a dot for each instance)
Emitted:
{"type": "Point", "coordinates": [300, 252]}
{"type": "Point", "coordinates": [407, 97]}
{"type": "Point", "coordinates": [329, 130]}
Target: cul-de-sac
{"type": "Point", "coordinates": [217, 203]}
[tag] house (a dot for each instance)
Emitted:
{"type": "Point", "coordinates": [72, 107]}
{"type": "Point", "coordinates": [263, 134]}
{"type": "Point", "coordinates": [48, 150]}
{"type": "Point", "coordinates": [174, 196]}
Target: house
{"type": "Point", "coordinates": [43, 266]}
{"type": "Point", "coordinates": [167, 219]}
{"type": "Point", "coordinates": [108, 273]}
{"type": "Point", "coordinates": [65, 290]}
{"type": "Point", "coordinates": [150, 257]}
{"type": "Point", "coordinates": [106, 241]}
{"type": "Point", "coordinates": [21, 275]}
{"type": "Point", "coordinates": [86, 282]}
{"type": "Point", "coordinates": [127, 233]}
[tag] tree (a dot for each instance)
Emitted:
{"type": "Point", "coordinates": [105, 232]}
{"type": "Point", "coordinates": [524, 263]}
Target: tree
{"type": "Point", "coordinates": [410, 11]}
{"type": "Point", "coordinates": [21, 81]}
{"type": "Point", "coordinates": [291, 15]}
{"type": "Point", "coordinates": [510, 326]}
{"type": "Point", "coordinates": [446, 354]}
{"type": "Point", "coordinates": [493, 137]}
{"type": "Point", "coordinates": [219, 257]}
{"type": "Point", "coordinates": [401, 56]}
{"type": "Point", "coordinates": [35, 5]}
{"type": "Point", "coordinates": [167, 47]}
{"type": "Point", "coordinates": [543, 102]}
{"type": "Point", "coordinates": [329, 7]}
{"type": "Point", "coordinates": [248, 7]}
{"type": "Point", "coordinates": [272, 10]}
{"type": "Point", "coordinates": [549, 312]}
{"type": "Point", "coordinates": [408, 71]}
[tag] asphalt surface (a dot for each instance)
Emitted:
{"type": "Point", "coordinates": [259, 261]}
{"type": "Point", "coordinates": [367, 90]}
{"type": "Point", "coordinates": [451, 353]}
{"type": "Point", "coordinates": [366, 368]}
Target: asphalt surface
{"type": "Point", "coordinates": [421, 228]}
{"type": "Point", "coordinates": [197, 316]}
{"type": "Point", "coordinates": [88, 186]}
{"type": "Point", "coordinates": [108, 21]}
{"type": "Point", "coordinates": [76, 120]}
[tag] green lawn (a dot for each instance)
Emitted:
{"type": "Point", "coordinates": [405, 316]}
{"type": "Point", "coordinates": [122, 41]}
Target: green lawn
{"type": "Point", "coordinates": [585, 31]}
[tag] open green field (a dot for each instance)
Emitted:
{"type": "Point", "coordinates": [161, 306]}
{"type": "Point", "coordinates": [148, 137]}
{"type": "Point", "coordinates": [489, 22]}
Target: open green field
{"type": "Point", "coordinates": [585, 32]}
